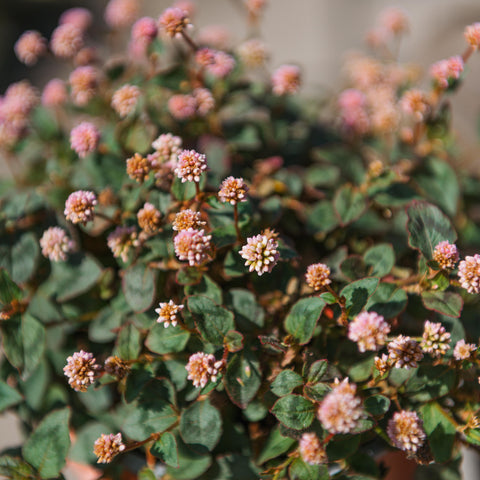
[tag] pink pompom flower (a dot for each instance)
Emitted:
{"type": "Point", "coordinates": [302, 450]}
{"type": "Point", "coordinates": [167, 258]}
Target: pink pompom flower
{"type": "Point", "coordinates": [84, 139]}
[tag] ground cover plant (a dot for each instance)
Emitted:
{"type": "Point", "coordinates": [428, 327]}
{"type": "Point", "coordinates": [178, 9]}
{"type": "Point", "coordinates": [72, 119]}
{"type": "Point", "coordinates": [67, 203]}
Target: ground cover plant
{"type": "Point", "coordinates": [206, 275]}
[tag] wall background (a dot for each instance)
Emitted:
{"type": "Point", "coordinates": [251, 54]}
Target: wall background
{"type": "Point", "coordinates": [313, 33]}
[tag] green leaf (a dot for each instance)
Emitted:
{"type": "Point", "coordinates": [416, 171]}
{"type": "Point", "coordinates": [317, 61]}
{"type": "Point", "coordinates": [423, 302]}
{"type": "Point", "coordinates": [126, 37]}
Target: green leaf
{"type": "Point", "coordinates": [74, 277]}
{"type": "Point", "coordinates": [322, 218]}
{"type": "Point", "coordinates": [128, 342]}
{"type": "Point", "coordinates": [191, 465]}
{"type": "Point", "coordinates": [388, 300]}
{"type": "Point", "coordinates": [242, 378]}
{"type": "Point", "coordinates": [233, 341]}
{"type": "Point", "coordinates": [349, 204]}
{"type": "Point", "coordinates": [15, 468]}
{"type": "Point", "coordinates": [212, 321]}
{"type": "Point", "coordinates": [427, 227]}
{"type": "Point", "coordinates": [163, 340]}
{"type": "Point", "coordinates": [146, 474]}
{"type": "Point", "coordinates": [138, 286]}
{"type": "Point", "coordinates": [430, 382]}
{"type": "Point", "coordinates": [166, 449]}
{"type": "Point", "coordinates": [20, 259]}
{"type": "Point", "coordinates": [207, 288]}
{"type": "Point", "coordinates": [182, 191]}
{"type": "Point", "coordinates": [342, 446]}
{"type": "Point", "coordinates": [377, 405]}
{"type": "Point", "coordinates": [47, 447]}
{"type": "Point", "coordinates": [381, 259]}
{"type": "Point", "coordinates": [234, 265]}
{"type": "Point", "coordinates": [201, 424]}
{"type": "Point", "coordinates": [299, 470]}
{"type": "Point", "coordinates": [9, 290]}
{"type": "Point", "coordinates": [285, 382]}
{"type": "Point", "coordinates": [357, 294]}
{"type": "Point", "coordinates": [275, 446]}
{"type": "Point", "coordinates": [317, 371]}
{"type": "Point", "coordinates": [317, 391]}
{"type": "Point", "coordinates": [446, 303]}
{"type": "Point", "coordinates": [8, 396]}
{"type": "Point", "coordinates": [440, 430]}
{"type": "Point", "coordinates": [294, 411]}
{"type": "Point", "coordinates": [302, 318]}
{"type": "Point", "coordinates": [249, 315]}
{"type": "Point", "coordinates": [188, 276]}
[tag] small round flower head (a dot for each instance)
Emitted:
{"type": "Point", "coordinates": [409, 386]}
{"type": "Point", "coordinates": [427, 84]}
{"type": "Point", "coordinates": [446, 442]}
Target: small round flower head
{"type": "Point", "coordinates": [30, 47]}
{"type": "Point", "coordinates": [186, 5]}
{"type": "Point", "coordinates": [404, 352]}
{"type": "Point", "coordinates": [84, 139]}
{"type": "Point", "coordinates": [472, 35]}
{"type": "Point", "coordinates": [66, 41]}
{"type": "Point", "coordinates": [341, 409]}
{"type": "Point", "coordinates": [125, 100]}
{"type": "Point", "coordinates": [414, 102]}
{"type": "Point", "coordinates": [205, 56]}
{"type": "Point", "coordinates": [182, 107]}
{"type": "Point", "coordinates": [194, 246]}
{"type": "Point", "coordinates": [54, 93]}
{"type": "Point", "coordinates": [149, 218]}
{"type": "Point", "coordinates": [469, 273]}
{"type": "Point", "coordinates": [222, 64]}
{"type": "Point", "coordinates": [394, 20]}
{"type": "Point", "coordinates": [108, 446]}
{"type": "Point", "coordinates": [253, 53]}
{"type": "Point", "coordinates": [116, 367]}
{"type": "Point", "coordinates": [202, 368]}
{"type": "Point", "coordinates": [255, 7]}
{"type": "Point", "coordinates": [121, 240]}
{"type": "Point", "coordinates": [190, 166]}
{"type": "Point", "coordinates": [352, 104]}
{"type": "Point", "coordinates": [405, 430]}
{"type": "Point", "coordinates": [447, 70]}
{"type": "Point", "coordinates": [79, 207]}
{"type": "Point", "coordinates": [204, 101]}
{"type": "Point", "coordinates": [318, 276]}
{"type": "Point", "coordinates": [187, 219]}
{"type": "Point", "coordinates": [81, 370]}
{"type": "Point", "coordinates": [382, 364]}
{"type": "Point", "coordinates": [55, 244]}
{"type": "Point", "coordinates": [435, 339]}
{"type": "Point", "coordinates": [312, 450]}
{"type": "Point", "coordinates": [215, 36]}
{"type": "Point", "coordinates": [369, 330]}
{"type": "Point", "coordinates": [121, 13]}
{"type": "Point", "coordinates": [174, 21]}
{"type": "Point", "coordinates": [286, 80]}
{"type": "Point", "coordinates": [167, 313]}
{"type": "Point", "coordinates": [144, 30]}
{"type": "Point", "coordinates": [138, 168]}
{"type": "Point", "coordinates": [83, 82]}
{"type": "Point", "coordinates": [86, 56]}
{"type": "Point", "coordinates": [78, 17]}
{"type": "Point", "coordinates": [233, 190]}
{"type": "Point", "coordinates": [446, 255]}
{"type": "Point", "coordinates": [168, 147]}
{"type": "Point", "coordinates": [463, 350]}
{"type": "Point", "coordinates": [261, 252]}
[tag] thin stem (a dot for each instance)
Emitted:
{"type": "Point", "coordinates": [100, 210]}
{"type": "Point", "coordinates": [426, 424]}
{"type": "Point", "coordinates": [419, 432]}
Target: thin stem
{"type": "Point", "coordinates": [237, 228]}
{"type": "Point", "coordinates": [189, 41]}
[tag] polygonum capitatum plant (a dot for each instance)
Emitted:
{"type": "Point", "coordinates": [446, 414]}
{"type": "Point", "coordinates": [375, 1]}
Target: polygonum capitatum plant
{"type": "Point", "coordinates": [200, 279]}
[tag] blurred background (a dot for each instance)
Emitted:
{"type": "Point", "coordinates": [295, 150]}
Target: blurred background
{"type": "Point", "coordinates": [316, 34]}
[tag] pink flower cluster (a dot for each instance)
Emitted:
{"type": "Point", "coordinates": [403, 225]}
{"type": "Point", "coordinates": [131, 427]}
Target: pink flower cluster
{"type": "Point", "coordinates": [66, 41]}
{"type": "Point", "coordinates": [79, 207]}
{"type": "Point", "coordinates": [54, 93]}
{"type": "Point", "coordinates": [84, 139]}
{"type": "Point", "coordinates": [472, 35]}
{"type": "Point", "coordinates": [167, 313]}
{"type": "Point", "coordinates": [445, 71]}
{"type": "Point", "coordinates": [405, 430]}
{"type": "Point", "coordinates": [261, 252]}
{"type": "Point", "coordinates": [174, 21]}
{"type": "Point", "coordinates": [184, 107]}
{"type": "Point", "coordinates": [55, 244]}
{"type": "Point", "coordinates": [369, 330]}
{"type": "Point", "coordinates": [190, 166]}
{"type": "Point", "coordinates": [216, 62]}
{"type": "Point", "coordinates": [125, 100]}
{"type": "Point", "coordinates": [108, 446]}
{"type": "Point", "coordinates": [203, 368]}
{"type": "Point", "coordinates": [446, 255]}
{"type": "Point", "coordinates": [84, 82]}
{"type": "Point", "coordinates": [233, 190]}
{"type": "Point", "coordinates": [30, 47]}
{"type": "Point", "coordinates": [353, 111]}
{"type": "Point", "coordinates": [121, 13]}
{"type": "Point", "coordinates": [469, 273]}
{"type": "Point", "coordinates": [286, 80]}
{"type": "Point", "coordinates": [81, 370]}
{"type": "Point", "coordinates": [121, 241]}
{"type": "Point", "coordinates": [194, 246]}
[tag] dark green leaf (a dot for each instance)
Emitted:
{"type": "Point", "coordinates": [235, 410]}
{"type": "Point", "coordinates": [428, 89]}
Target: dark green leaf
{"type": "Point", "coordinates": [139, 287]}
{"type": "Point", "coordinates": [163, 340]}
{"type": "Point", "coordinates": [188, 276]}
{"type": "Point", "coordinates": [294, 411]}
{"type": "Point", "coordinates": [9, 290]}
{"type": "Point", "coordinates": [275, 445]}
{"type": "Point", "coordinates": [349, 204]}
{"type": "Point", "coordinates": [191, 465]}
{"type": "Point", "coordinates": [207, 288]}
{"type": "Point", "coordinates": [47, 447]}
{"type": "Point", "coordinates": [234, 265]}
{"type": "Point", "coordinates": [299, 470]}
{"type": "Point", "coordinates": [342, 446]}
{"type": "Point", "coordinates": [377, 405]}
{"type": "Point", "coordinates": [8, 396]}
{"type": "Point", "coordinates": [322, 218]}
{"type": "Point", "coordinates": [446, 303]}
{"type": "Point", "coordinates": [249, 315]}
{"type": "Point", "coordinates": [427, 227]}
{"type": "Point", "coordinates": [430, 382]}
{"type": "Point", "coordinates": [317, 371]}
{"type": "Point", "coordinates": [20, 259]}
{"type": "Point", "coordinates": [166, 449]}
{"type": "Point", "coordinates": [234, 341]}
{"type": "Point", "coordinates": [317, 391]}
{"type": "Point", "coordinates": [285, 382]}
{"type": "Point", "coordinates": [15, 468]}
{"type": "Point", "coordinates": [381, 259]}
{"type": "Point", "coordinates": [357, 294]}
{"type": "Point", "coordinates": [303, 316]}
{"type": "Point", "coordinates": [212, 321]}
{"type": "Point", "coordinates": [388, 300]}
{"type": "Point", "coordinates": [201, 424]}
{"type": "Point", "coordinates": [242, 378]}
{"type": "Point", "coordinates": [128, 342]}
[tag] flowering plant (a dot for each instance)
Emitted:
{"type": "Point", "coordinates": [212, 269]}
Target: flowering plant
{"type": "Point", "coordinates": [201, 279]}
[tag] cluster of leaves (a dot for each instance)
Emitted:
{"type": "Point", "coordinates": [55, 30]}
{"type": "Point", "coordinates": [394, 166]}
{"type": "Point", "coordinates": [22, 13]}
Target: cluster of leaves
{"type": "Point", "coordinates": [283, 344]}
